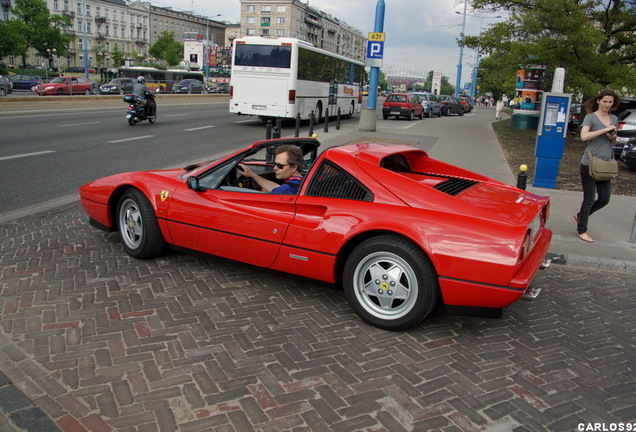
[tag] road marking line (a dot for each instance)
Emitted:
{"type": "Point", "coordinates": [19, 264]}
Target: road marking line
{"type": "Point", "coordinates": [248, 120]}
{"type": "Point", "coordinates": [176, 115]}
{"type": "Point", "coordinates": [199, 128]}
{"type": "Point", "coordinates": [26, 155]}
{"type": "Point", "coordinates": [78, 124]}
{"type": "Point", "coordinates": [131, 139]}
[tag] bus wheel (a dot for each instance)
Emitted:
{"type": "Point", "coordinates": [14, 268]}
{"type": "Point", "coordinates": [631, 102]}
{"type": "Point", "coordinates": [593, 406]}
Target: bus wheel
{"type": "Point", "coordinates": [318, 112]}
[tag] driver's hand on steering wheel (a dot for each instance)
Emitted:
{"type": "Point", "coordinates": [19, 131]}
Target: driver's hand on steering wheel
{"type": "Point", "coordinates": [245, 171]}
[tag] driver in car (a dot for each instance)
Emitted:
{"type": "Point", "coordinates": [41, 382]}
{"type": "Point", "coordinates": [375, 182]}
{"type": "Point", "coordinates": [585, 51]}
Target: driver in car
{"type": "Point", "coordinates": [287, 165]}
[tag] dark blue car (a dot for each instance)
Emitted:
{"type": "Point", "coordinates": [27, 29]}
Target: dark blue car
{"type": "Point", "coordinates": [24, 82]}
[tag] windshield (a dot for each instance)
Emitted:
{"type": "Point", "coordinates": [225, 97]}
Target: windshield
{"type": "Point", "coordinates": [262, 55]}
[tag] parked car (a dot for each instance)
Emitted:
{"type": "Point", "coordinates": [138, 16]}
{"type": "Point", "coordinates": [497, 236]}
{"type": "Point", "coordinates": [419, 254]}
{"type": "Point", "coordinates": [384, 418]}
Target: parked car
{"type": "Point", "coordinates": [398, 230]}
{"type": "Point", "coordinates": [189, 86]}
{"type": "Point", "coordinates": [6, 86]}
{"type": "Point", "coordinates": [451, 105]}
{"type": "Point", "coordinates": [626, 131]}
{"type": "Point", "coordinates": [80, 69]}
{"type": "Point", "coordinates": [627, 140]}
{"type": "Point", "coordinates": [402, 105]}
{"type": "Point", "coordinates": [624, 104]}
{"type": "Point", "coordinates": [574, 117]}
{"type": "Point", "coordinates": [430, 104]}
{"type": "Point", "coordinates": [466, 103]}
{"type": "Point", "coordinates": [117, 86]}
{"type": "Point", "coordinates": [219, 88]}
{"type": "Point", "coordinates": [24, 82]}
{"type": "Point", "coordinates": [66, 85]}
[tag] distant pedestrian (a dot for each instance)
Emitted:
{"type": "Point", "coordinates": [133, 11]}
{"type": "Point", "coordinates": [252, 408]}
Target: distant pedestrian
{"type": "Point", "coordinates": [499, 108]}
{"type": "Point", "coordinates": [598, 129]}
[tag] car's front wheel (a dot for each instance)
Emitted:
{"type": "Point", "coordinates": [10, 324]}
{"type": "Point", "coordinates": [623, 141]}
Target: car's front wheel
{"type": "Point", "coordinates": [137, 224]}
{"type": "Point", "coordinates": [390, 282]}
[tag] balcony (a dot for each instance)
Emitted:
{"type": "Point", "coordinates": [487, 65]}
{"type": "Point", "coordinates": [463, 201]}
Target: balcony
{"type": "Point", "coordinates": [5, 3]}
{"type": "Point", "coordinates": [100, 20]}
{"type": "Point", "coordinates": [69, 14]}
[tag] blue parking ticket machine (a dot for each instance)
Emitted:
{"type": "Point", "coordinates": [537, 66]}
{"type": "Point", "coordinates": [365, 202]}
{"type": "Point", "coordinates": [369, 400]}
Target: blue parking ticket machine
{"type": "Point", "coordinates": [551, 133]}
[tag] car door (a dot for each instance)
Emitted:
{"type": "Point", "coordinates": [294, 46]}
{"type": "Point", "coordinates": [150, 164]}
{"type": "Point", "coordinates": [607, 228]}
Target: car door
{"type": "Point", "coordinates": [242, 226]}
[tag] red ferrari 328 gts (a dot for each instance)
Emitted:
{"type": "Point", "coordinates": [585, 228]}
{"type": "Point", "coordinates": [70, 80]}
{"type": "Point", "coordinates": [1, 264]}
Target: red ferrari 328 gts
{"type": "Point", "coordinates": [398, 230]}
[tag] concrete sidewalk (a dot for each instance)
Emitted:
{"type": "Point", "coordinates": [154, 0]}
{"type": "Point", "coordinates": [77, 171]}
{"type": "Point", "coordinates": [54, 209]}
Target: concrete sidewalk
{"type": "Point", "coordinates": [470, 142]}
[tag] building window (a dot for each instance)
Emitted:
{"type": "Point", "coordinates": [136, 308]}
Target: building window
{"type": "Point", "coordinates": [250, 32]}
{"type": "Point", "coordinates": [280, 20]}
{"type": "Point", "coordinates": [280, 9]}
{"type": "Point", "coordinates": [55, 5]}
{"type": "Point", "coordinates": [79, 8]}
{"type": "Point", "coordinates": [251, 20]}
{"type": "Point", "coordinates": [65, 5]}
{"type": "Point", "coordinates": [266, 9]}
{"type": "Point", "coordinates": [251, 8]}
{"type": "Point", "coordinates": [79, 25]}
{"type": "Point", "coordinates": [264, 32]}
{"type": "Point", "coordinates": [265, 21]}
{"type": "Point", "coordinates": [88, 10]}
{"type": "Point", "coordinates": [280, 33]}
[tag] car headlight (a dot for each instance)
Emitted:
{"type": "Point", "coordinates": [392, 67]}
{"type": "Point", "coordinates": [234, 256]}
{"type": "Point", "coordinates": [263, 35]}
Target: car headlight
{"type": "Point", "coordinates": [48, 88]}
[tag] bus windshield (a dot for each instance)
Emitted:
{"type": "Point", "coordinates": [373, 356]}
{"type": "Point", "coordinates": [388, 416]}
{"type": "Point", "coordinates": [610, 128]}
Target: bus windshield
{"type": "Point", "coordinates": [263, 56]}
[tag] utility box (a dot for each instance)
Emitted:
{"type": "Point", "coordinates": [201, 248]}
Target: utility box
{"type": "Point", "coordinates": [551, 133]}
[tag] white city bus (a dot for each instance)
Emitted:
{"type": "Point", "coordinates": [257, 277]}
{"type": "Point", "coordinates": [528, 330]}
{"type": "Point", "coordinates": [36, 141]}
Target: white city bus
{"type": "Point", "coordinates": [283, 77]}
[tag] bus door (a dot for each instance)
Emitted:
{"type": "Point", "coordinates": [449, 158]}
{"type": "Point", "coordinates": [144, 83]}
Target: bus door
{"type": "Point", "coordinates": [333, 99]}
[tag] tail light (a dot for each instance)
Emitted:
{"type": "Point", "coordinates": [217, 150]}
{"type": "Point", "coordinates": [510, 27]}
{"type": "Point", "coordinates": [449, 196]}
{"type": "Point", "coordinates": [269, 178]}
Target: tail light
{"type": "Point", "coordinates": [621, 125]}
{"type": "Point", "coordinates": [232, 90]}
{"type": "Point", "coordinates": [292, 97]}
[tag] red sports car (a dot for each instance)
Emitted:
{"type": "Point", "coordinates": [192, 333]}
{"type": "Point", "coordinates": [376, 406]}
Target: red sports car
{"type": "Point", "coordinates": [398, 230]}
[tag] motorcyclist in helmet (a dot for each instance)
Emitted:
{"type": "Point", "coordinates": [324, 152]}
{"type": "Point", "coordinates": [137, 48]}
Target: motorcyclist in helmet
{"type": "Point", "coordinates": [140, 89]}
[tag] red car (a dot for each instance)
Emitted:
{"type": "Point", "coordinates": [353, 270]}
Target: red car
{"type": "Point", "coordinates": [66, 85]}
{"type": "Point", "coordinates": [402, 105]}
{"type": "Point", "coordinates": [398, 230]}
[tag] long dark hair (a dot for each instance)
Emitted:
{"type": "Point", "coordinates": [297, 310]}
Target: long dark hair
{"type": "Point", "coordinates": [591, 105]}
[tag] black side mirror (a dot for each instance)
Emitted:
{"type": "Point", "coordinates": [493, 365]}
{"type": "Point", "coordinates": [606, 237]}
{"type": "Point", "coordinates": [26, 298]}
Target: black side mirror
{"type": "Point", "coordinates": [193, 183]}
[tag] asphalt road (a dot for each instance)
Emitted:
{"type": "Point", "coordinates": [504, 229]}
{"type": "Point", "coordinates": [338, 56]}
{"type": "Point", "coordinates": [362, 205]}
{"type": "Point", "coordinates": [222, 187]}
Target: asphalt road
{"type": "Point", "coordinates": [48, 152]}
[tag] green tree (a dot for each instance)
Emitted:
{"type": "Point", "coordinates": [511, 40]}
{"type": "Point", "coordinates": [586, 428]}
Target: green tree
{"type": "Point", "coordinates": [167, 48]}
{"type": "Point", "coordinates": [118, 56]}
{"type": "Point", "coordinates": [34, 27]}
{"type": "Point", "coordinates": [594, 40]}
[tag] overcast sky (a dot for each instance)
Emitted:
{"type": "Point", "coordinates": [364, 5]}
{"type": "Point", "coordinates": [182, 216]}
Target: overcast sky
{"type": "Point", "coordinates": [420, 35]}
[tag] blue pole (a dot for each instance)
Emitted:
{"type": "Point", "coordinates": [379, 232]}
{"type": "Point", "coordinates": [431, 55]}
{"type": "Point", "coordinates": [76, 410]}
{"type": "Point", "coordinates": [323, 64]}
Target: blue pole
{"type": "Point", "coordinates": [374, 75]}
{"type": "Point", "coordinates": [458, 83]}
{"type": "Point", "coordinates": [85, 41]}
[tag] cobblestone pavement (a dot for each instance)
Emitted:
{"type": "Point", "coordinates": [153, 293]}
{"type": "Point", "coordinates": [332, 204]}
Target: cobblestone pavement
{"type": "Point", "coordinates": [102, 342]}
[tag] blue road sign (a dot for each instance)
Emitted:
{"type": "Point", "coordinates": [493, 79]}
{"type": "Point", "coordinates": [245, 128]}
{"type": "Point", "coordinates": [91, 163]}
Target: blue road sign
{"type": "Point", "coordinates": [375, 49]}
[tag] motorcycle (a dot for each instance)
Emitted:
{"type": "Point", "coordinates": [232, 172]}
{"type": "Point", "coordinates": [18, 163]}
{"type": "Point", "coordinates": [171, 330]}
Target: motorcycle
{"type": "Point", "coordinates": [136, 111]}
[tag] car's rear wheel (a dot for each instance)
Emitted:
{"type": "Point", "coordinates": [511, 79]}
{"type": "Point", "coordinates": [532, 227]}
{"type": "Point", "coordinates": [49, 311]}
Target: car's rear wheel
{"type": "Point", "coordinates": [137, 224]}
{"type": "Point", "coordinates": [390, 282]}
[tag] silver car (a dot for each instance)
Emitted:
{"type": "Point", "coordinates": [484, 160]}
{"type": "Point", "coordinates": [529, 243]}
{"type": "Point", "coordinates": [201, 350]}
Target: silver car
{"type": "Point", "coordinates": [430, 104]}
{"type": "Point", "coordinates": [626, 122]}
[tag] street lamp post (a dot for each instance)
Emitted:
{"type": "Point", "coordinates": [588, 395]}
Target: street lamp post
{"type": "Point", "coordinates": [473, 84]}
{"type": "Point", "coordinates": [458, 82]}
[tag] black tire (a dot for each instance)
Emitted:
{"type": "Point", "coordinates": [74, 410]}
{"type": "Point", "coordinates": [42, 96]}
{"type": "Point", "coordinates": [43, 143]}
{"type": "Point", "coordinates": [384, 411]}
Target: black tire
{"type": "Point", "coordinates": [461, 112]}
{"type": "Point", "coordinates": [318, 113]}
{"type": "Point", "coordinates": [429, 114]}
{"type": "Point", "coordinates": [137, 225]}
{"type": "Point", "coordinates": [439, 113]}
{"type": "Point", "coordinates": [385, 117]}
{"type": "Point", "coordinates": [390, 283]}
{"type": "Point", "coordinates": [132, 121]}
{"type": "Point", "coordinates": [410, 116]}
{"type": "Point", "coordinates": [421, 116]}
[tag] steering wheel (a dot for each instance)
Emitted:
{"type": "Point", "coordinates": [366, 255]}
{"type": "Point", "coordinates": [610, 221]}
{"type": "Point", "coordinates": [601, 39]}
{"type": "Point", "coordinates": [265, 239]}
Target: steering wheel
{"type": "Point", "coordinates": [242, 182]}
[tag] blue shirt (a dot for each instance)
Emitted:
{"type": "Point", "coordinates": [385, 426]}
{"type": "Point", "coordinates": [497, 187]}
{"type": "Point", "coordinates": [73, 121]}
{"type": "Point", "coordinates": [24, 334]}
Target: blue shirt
{"type": "Point", "coordinates": [290, 187]}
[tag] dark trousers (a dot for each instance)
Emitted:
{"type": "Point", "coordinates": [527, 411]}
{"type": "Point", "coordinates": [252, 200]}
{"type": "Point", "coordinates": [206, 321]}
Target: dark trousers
{"type": "Point", "coordinates": [591, 203]}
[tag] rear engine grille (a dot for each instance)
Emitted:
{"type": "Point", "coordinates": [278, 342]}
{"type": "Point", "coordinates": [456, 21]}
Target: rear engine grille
{"type": "Point", "coordinates": [453, 185]}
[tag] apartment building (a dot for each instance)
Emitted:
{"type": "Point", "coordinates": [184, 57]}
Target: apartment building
{"type": "Point", "coordinates": [131, 27]}
{"type": "Point", "coordinates": [293, 18]}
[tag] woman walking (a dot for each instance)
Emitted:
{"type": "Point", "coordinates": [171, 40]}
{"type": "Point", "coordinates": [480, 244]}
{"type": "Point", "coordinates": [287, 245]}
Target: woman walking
{"type": "Point", "coordinates": [598, 129]}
